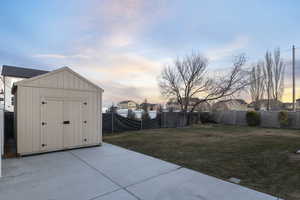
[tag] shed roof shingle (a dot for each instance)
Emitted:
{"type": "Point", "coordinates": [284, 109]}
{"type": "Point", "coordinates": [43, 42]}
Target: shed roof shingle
{"type": "Point", "coordinates": [20, 72]}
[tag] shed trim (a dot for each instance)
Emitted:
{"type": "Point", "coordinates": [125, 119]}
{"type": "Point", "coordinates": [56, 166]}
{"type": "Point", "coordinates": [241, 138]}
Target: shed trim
{"type": "Point", "coordinates": [54, 72]}
{"type": "Point", "coordinates": [14, 89]}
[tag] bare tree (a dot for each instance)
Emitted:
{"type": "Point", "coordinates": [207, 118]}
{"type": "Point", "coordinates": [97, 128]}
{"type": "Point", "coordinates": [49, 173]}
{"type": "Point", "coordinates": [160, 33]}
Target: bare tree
{"type": "Point", "coordinates": [188, 78]}
{"type": "Point", "coordinates": [268, 73]}
{"type": "Point", "coordinates": [257, 83]}
{"type": "Point", "coordinates": [274, 69]}
{"type": "Point", "coordinates": [278, 72]}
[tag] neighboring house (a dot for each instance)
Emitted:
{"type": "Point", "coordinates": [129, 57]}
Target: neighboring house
{"type": "Point", "coordinates": [230, 104]}
{"type": "Point", "coordinates": [138, 113]}
{"type": "Point", "coordinates": [128, 104]}
{"type": "Point", "coordinates": [263, 105]}
{"type": "Point", "coordinates": [149, 106]}
{"type": "Point", "coordinates": [174, 105]}
{"type": "Point", "coordinates": [12, 74]}
{"type": "Point", "coordinates": [123, 112]}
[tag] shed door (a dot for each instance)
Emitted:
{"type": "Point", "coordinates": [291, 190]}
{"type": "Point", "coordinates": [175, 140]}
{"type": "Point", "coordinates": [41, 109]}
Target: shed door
{"type": "Point", "coordinates": [51, 124]}
{"type": "Point", "coordinates": [72, 123]}
{"type": "Point", "coordinates": [90, 130]}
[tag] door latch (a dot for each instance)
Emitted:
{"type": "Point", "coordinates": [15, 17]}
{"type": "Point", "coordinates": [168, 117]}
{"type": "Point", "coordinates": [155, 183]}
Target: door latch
{"type": "Point", "coordinates": [44, 123]}
{"type": "Point", "coordinates": [66, 122]}
{"type": "Point", "coordinates": [43, 145]}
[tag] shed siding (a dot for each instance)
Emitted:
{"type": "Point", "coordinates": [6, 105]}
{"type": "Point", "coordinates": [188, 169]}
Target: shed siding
{"type": "Point", "coordinates": [67, 87]}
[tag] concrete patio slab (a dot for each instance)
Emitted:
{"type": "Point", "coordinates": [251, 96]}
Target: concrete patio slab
{"type": "Point", "coordinates": [123, 166]}
{"type": "Point", "coordinates": [51, 176]}
{"type": "Point", "coordinates": [117, 195]}
{"type": "Point", "coordinates": [186, 184]}
{"type": "Point", "coordinates": [110, 172]}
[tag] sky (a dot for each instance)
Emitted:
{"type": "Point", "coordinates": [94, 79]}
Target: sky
{"type": "Point", "coordinates": [122, 45]}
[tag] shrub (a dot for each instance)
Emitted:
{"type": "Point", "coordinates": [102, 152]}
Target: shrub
{"type": "Point", "coordinates": [253, 118]}
{"type": "Point", "coordinates": [283, 118]}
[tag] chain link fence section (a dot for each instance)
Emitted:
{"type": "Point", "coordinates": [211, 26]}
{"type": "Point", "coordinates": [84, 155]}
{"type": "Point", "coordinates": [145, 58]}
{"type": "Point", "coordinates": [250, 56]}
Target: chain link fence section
{"type": "Point", "coordinates": [112, 122]}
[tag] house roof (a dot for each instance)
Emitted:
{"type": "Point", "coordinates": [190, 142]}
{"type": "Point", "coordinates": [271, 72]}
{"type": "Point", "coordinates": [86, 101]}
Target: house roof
{"type": "Point", "coordinates": [21, 72]}
{"type": "Point", "coordinates": [265, 101]}
{"type": "Point", "coordinates": [126, 101]}
{"type": "Point", "coordinates": [191, 100]}
{"type": "Point", "coordinates": [241, 101]}
{"type": "Point", "coordinates": [148, 104]}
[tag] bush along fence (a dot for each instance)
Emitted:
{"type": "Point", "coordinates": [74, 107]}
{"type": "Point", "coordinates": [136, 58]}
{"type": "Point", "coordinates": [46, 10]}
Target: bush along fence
{"type": "Point", "coordinates": [267, 119]}
{"type": "Point", "coordinates": [112, 122]}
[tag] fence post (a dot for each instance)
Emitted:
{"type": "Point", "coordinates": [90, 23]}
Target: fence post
{"type": "Point", "coordinates": [165, 118]}
{"type": "Point", "coordinates": [112, 122]}
{"type": "Point", "coordinates": [141, 121]}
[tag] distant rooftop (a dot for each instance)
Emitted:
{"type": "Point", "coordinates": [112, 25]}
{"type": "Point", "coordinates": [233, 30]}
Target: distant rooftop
{"type": "Point", "coordinates": [21, 72]}
{"type": "Point", "coordinates": [126, 101]}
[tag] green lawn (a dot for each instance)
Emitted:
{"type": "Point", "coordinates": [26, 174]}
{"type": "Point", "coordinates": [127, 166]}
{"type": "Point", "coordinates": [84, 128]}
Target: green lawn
{"type": "Point", "coordinates": [263, 159]}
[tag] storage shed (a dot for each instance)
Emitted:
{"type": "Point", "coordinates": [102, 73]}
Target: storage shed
{"type": "Point", "coordinates": [55, 111]}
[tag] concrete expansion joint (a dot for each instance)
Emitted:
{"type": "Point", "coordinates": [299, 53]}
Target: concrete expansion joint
{"type": "Point", "coordinates": [144, 180]}
{"type": "Point", "coordinates": [120, 186]}
{"type": "Point", "coordinates": [97, 170]}
{"type": "Point", "coordinates": [138, 198]}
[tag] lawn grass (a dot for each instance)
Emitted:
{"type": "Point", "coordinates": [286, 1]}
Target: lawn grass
{"type": "Point", "coordinates": [262, 158]}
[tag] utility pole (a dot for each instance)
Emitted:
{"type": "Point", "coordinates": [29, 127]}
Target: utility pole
{"type": "Point", "coordinates": [293, 55]}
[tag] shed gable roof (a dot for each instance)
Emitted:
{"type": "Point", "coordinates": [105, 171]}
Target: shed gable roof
{"type": "Point", "coordinates": [57, 79]}
{"type": "Point", "coordinates": [21, 72]}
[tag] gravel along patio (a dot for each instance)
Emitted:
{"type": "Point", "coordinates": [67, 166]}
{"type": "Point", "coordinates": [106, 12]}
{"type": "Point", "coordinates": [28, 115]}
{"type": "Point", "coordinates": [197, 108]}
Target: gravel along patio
{"type": "Point", "coordinates": [111, 173]}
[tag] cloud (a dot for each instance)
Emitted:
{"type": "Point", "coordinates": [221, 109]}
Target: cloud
{"type": "Point", "coordinates": [123, 75]}
{"type": "Point", "coordinates": [119, 23]}
{"type": "Point", "coordinates": [115, 92]}
{"type": "Point", "coordinates": [60, 56]}
{"type": "Point", "coordinates": [107, 49]}
{"type": "Point", "coordinates": [230, 49]}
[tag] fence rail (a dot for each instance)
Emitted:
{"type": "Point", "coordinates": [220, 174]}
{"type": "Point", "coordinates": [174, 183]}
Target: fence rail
{"type": "Point", "coordinates": [268, 119]}
{"type": "Point", "coordinates": [112, 122]}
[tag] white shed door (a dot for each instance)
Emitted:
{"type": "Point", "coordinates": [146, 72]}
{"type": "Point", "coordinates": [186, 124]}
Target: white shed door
{"type": "Point", "coordinates": [72, 123]}
{"type": "Point", "coordinates": [51, 125]}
